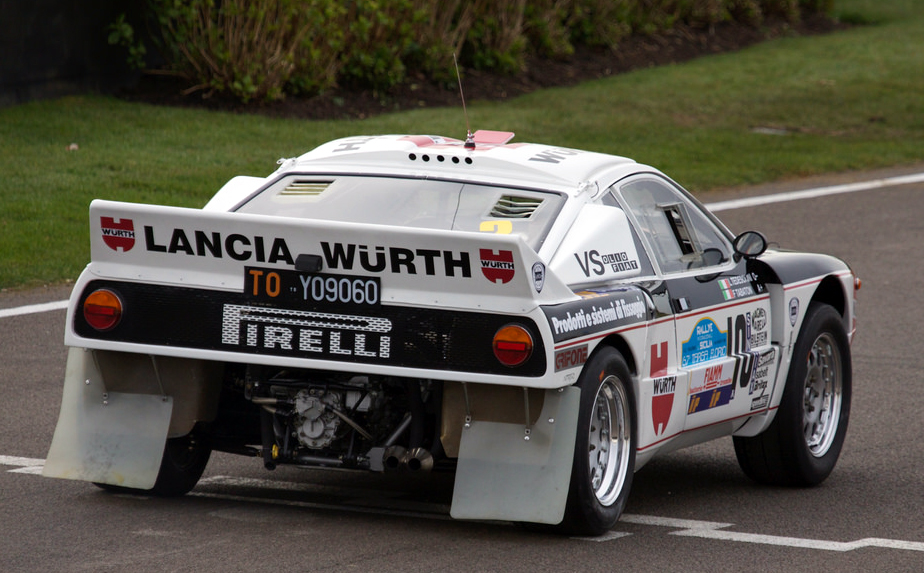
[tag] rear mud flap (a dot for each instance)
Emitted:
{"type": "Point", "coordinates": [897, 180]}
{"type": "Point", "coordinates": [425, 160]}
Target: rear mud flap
{"type": "Point", "coordinates": [502, 476]}
{"type": "Point", "coordinates": [114, 438]}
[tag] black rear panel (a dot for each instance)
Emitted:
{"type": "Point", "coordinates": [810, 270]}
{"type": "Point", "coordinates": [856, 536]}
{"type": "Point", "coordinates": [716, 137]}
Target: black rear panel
{"type": "Point", "coordinates": [388, 335]}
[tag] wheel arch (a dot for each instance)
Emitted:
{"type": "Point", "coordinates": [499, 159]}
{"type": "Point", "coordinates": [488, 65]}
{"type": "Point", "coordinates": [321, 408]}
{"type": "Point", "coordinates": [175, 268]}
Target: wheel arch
{"type": "Point", "coordinates": [622, 345]}
{"type": "Point", "coordinates": [831, 292]}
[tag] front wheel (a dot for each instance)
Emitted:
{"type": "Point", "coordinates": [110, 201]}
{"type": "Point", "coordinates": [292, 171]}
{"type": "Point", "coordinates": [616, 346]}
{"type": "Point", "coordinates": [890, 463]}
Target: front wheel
{"type": "Point", "coordinates": [802, 444]}
{"type": "Point", "coordinates": [604, 453]}
{"type": "Point", "coordinates": [181, 467]}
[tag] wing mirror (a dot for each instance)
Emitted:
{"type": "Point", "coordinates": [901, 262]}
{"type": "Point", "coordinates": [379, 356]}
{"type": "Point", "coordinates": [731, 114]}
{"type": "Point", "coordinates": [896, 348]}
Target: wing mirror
{"type": "Point", "coordinates": [749, 244]}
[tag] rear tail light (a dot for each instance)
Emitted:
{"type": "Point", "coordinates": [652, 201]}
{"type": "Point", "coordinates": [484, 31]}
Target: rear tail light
{"type": "Point", "coordinates": [513, 345]}
{"type": "Point", "coordinates": [102, 309]}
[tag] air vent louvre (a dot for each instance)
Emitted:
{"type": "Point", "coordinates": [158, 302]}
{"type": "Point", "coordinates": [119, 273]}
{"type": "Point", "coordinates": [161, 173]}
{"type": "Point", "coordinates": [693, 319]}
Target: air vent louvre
{"type": "Point", "coordinates": [513, 207]}
{"type": "Point", "coordinates": [305, 188]}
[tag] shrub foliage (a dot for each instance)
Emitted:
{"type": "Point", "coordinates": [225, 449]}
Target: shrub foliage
{"type": "Point", "coordinates": [263, 49]}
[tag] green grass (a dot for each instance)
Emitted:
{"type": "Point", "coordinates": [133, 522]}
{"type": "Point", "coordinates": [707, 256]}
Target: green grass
{"type": "Point", "coordinates": [846, 101]}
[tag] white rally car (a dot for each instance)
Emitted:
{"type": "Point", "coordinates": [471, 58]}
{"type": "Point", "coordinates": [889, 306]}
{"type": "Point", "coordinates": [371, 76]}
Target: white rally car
{"type": "Point", "coordinates": [541, 320]}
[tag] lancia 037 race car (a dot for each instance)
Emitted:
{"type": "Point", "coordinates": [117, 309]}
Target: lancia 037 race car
{"type": "Point", "coordinates": [542, 321]}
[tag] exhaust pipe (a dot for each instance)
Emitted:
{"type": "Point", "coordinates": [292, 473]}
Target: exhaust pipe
{"type": "Point", "coordinates": [394, 458]}
{"type": "Point", "coordinates": [419, 460]}
{"type": "Point", "coordinates": [416, 460]}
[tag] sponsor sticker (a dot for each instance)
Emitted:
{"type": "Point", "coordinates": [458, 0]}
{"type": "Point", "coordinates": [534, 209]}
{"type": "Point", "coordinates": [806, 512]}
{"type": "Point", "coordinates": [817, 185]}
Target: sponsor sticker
{"type": "Point", "coordinates": [305, 333]}
{"type": "Point", "coordinates": [760, 379]}
{"type": "Point", "coordinates": [118, 234]}
{"type": "Point", "coordinates": [793, 311]}
{"type": "Point", "coordinates": [706, 342]}
{"type": "Point", "coordinates": [598, 264]}
{"type": "Point", "coordinates": [757, 337]}
{"type": "Point", "coordinates": [596, 314]}
{"type": "Point", "coordinates": [395, 260]}
{"type": "Point", "coordinates": [497, 266]}
{"type": "Point", "coordinates": [570, 357]}
{"type": "Point", "coordinates": [663, 388]}
{"type": "Point", "coordinates": [711, 387]}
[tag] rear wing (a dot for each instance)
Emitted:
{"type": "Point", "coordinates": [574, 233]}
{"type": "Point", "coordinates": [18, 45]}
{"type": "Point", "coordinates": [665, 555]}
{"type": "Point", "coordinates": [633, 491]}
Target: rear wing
{"type": "Point", "coordinates": [288, 257]}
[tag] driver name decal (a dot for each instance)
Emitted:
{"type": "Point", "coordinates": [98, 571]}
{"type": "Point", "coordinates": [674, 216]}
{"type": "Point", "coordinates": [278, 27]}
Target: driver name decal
{"type": "Point", "coordinates": [737, 287]}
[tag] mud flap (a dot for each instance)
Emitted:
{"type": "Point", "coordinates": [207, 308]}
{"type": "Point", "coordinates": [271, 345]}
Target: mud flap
{"type": "Point", "coordinates": [502, 476]}
{"type": "Point", "coordinates": [114, 438]}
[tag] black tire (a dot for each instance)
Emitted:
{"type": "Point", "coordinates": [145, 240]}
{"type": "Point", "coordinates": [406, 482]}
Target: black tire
{"type": "Point", "coordinates": [802, 444]}
{"type": "Point", "coordinates": [604, 452]}
{"type": "Point", "coordinates": [181, 466]}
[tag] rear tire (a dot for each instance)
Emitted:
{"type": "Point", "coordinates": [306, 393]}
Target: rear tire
{"type": "Point", "coordinates": [181, 466]}
{"type": "Point", "coordinates": [802, 444]}
{"type": "Point", "coordinates": [604, 452]}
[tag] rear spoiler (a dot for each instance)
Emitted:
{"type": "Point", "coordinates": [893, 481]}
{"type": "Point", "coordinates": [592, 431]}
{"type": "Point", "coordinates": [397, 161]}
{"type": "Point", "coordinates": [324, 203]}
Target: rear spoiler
{"type": "Point", "coordinates": [218, 250]}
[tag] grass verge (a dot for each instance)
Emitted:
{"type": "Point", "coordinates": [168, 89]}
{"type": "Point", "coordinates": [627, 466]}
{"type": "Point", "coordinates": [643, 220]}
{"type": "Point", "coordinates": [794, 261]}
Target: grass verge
{"type": "Point", "coordinates": [787, 108]}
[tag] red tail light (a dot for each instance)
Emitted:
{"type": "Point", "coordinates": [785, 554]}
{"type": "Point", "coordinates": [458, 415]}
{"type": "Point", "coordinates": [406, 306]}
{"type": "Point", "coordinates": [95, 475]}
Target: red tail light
{"type": "Point", "coordinates": [102, 309]}
{"type": "Point", "coordinates": [512, 345]}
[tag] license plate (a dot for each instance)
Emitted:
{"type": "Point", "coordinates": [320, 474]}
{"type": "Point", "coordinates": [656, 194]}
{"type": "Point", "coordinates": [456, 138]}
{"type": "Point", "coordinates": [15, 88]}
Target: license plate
{"type": "Point", "coordinates": [313, 290]}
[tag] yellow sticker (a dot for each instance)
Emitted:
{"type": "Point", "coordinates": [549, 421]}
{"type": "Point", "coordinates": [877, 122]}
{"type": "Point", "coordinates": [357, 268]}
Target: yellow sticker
{"type": "Point", "coordinates": [497, 227]}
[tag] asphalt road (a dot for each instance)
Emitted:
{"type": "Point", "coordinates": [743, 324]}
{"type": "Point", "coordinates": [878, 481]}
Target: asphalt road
{"type": "Point", "coordinates": [689, 511]}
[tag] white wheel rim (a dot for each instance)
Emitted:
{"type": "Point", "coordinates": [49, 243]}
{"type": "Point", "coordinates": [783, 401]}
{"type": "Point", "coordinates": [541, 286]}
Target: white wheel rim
{"type": "Point", "coordinates": [609, 441]}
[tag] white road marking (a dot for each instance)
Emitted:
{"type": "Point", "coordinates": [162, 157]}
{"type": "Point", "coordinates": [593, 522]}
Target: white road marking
{"type": "Point", "coordinates": [714, 207]}
{"type": "Point", "coordinates": [687, 527]}
{"type": "Point", "coordinates": [33, 308]}
{"type": "Point", "coordinates": [25, 465]}
{"type": "Point", "coordinates": [713, 530]}
{"type": "Point", "coordinates": [817, 192]}
{"type": "Point", "coordinates": [15, 461]}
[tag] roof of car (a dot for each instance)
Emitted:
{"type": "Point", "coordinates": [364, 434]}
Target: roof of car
{"type": "Point", "coordinates": [487, 156]}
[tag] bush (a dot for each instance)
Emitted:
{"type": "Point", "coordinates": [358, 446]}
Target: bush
{"type": "Point", "coordinates": [246, 47]}
{"type": "Point", "coordinates": [318, 58]}
{"type": "Point", "coordinates": [496, 40]}
{"type": "Point", "coordinates": [263, 49]}
{"type": "Point", "coordinates": [378, 35]}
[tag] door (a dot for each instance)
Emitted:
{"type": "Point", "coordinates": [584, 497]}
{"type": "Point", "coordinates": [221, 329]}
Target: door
{"type": "Point", "coordinates": [721, 310]}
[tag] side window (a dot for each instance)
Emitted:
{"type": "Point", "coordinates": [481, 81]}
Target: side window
{"type": "Point", "coordinates": [680, 236]}
{"type": "Point", "coordinates": [645, 268]}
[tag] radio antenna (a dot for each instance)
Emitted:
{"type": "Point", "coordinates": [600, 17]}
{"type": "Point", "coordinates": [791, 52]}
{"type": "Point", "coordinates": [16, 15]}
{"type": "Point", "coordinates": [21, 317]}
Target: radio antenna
{"type": "Point", "coordinates": [469, 138]}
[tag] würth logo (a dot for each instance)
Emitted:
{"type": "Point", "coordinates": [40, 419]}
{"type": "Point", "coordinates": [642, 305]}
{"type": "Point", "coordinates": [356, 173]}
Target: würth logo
{"type": "Point", "coordinates": [119, 234]}
{"type": "Point", "coordinates": [497, 266]}
{"type": "Point", "coordinates": [663, 388]}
